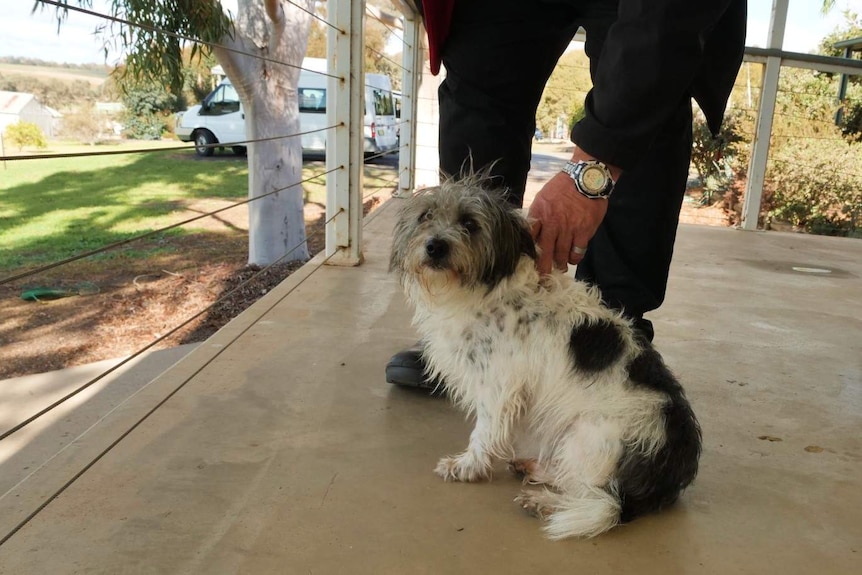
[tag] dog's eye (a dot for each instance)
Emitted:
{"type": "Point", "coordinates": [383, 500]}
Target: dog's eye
{"type": "Point", "coordinates": [425, 216]}
{"type": "Point", "coordinates": [470, 225]}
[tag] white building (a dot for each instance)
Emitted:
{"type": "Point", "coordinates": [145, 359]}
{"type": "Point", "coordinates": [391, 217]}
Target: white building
{"type": "Point", "coordinates": [20, 107]}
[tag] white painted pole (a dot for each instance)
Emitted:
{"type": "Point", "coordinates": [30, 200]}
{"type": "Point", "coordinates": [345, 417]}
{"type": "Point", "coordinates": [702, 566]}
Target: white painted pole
{"type": "Point", "coordinates": [427, 128]}
{"type": "Point", "coordinates": [411, 60]}
{"type": "Point", "coordinates": [345, 47]}
{"type": "Point", "coordinates": [766, 110]}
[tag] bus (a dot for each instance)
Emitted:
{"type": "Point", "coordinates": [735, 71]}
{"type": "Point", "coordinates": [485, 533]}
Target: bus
{"type": "Point", "coordinates": [220, 117]}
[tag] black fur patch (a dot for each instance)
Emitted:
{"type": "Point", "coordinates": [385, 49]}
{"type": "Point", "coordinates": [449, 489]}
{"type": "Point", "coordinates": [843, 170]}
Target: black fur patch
{"type": "Point", "coordinates": [649, 370]}
{"type": "Point", "coordinates": [597, 346]}
{"type": "Point", "coordinates": [647, 484]}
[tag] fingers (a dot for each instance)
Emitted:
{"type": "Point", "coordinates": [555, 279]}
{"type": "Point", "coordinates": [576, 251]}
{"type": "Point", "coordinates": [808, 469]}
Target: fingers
{"type": "Point", "coordinates": [562, 250]}
{"type": "Point", "coordinates": [546, 253]}
{"type": "Point", "coordinates": [544, 238]}
{"type": "Point", "coordinates": [535, 227]}
{"type": "Point", "coordinates": [557, 249]}
{"type": "Point", "coordinates": [578, 251]}
{"type": "Point", "coordinates": [545, 260]}
{"type": "Point", "coordinates": [562, 220]}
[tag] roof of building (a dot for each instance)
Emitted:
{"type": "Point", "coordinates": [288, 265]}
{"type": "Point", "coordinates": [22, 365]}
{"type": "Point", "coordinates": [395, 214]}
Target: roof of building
{"type": "Point", "coordinates": [852, 43]}
{"type": "Point", "coordinates": [14, 102]}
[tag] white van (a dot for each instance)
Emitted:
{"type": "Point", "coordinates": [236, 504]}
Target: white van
{"type": "Point", "coordinates": [220, 117]}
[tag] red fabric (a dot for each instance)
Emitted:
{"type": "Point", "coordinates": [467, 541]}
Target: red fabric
{"type": "Point", "coordinates": [438, 17]}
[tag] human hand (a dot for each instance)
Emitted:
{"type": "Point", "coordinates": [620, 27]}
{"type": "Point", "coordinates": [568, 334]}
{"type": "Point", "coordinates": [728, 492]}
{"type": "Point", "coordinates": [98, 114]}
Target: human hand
{"type": "Point", "coordinates": [562, 220]}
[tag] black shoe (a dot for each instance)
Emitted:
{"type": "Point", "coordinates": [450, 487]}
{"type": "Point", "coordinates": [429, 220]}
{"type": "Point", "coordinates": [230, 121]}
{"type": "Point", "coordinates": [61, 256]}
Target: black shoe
{"type": "Point", "coordinates": [407, 368]}
{"type": "Point", "coordinates": [643, 328]}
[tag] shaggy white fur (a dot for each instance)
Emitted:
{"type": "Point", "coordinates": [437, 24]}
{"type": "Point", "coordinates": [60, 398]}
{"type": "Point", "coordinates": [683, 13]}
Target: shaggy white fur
{"type": "Point", "coordinates": [501, 337]}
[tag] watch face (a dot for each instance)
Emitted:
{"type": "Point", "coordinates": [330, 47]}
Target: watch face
{"type": "Point", "coordinates": [594, 179]}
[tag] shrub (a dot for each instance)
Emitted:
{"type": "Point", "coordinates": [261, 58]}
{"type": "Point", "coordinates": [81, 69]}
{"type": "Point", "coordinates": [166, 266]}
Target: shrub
{"type": "Point", "coordinates": [813, 184]}
{"type": "Point", "coordinates": [82, 126]}
{"type": "Point", "coordinates": [23, 134]}
{"type": "Point", "coordinates": [577, 114]}
{"type": "Point", "coordinates": [717, 158]}
{"type": "Point", "coordinates": [148, 108]}
{"type": "Point", "coordinates": [851, 119]}
{"type": "Point", "coordinates": [144, 127]}
{"type": "Point", "coordinates": [813, 181]}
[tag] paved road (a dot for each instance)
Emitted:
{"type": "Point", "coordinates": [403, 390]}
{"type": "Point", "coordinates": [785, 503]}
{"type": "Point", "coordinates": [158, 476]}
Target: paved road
{"type": "Point", "coordinates": [546, 162]}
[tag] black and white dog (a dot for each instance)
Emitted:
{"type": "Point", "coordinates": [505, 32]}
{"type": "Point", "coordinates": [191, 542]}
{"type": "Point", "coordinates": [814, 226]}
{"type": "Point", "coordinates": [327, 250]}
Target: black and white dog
{"type": "Point", "coordinates": [559, 384]}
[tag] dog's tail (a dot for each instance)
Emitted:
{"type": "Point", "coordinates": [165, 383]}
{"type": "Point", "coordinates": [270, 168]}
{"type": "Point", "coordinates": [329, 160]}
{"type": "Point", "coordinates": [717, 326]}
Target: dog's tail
{"type": "Point", "coordinates": [588, 513]}
{"type": "Point", "coordinates": [649, 482]}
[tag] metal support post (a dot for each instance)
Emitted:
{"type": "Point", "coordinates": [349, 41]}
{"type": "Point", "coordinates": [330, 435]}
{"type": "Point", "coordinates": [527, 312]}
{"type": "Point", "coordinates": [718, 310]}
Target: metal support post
{"type": "Point", "coordinates": [345, 49]}
{"type": "Point", "coordinates": [765, 113]}
{"type": "Point", "coordinates": [411, 60]}
{"type": "Point", "coordinates": [842, 90]}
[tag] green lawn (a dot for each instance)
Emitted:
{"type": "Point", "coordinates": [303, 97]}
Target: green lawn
{"type": "Point", "coordinates": [57, 207]}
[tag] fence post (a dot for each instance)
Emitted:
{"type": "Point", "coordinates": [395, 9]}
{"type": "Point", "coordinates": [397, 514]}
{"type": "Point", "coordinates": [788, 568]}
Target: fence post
{"type": "Point", "coordinates": [765, 113]}
{"type": "Point", "coordinates": [411, 60]}
{"type": "Point", "coordinates": [345, 50]}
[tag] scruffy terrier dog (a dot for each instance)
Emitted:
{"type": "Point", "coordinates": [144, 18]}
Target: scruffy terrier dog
{"type": "Point", "coordinates": [560, 385]}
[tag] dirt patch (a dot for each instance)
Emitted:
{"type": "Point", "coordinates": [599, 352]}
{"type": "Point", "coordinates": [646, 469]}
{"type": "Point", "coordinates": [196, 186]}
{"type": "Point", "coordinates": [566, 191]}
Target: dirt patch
{"type": "Point", "coordinates": [127, 302]}
{"type": "Point", "coordinates": [697, 210]}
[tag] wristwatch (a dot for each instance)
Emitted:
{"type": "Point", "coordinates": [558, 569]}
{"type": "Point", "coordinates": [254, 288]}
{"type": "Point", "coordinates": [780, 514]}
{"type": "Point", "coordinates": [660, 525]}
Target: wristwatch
{"type": "Point", "coordinates": [592, 178]}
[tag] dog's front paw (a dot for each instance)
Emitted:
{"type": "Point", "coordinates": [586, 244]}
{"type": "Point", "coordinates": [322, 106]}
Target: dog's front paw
{"type": "Point", "coordinates": [463, 467]}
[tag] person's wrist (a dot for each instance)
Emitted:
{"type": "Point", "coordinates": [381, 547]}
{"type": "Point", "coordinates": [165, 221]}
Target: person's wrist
{"type": "Point", "coordinates": [579, 155]}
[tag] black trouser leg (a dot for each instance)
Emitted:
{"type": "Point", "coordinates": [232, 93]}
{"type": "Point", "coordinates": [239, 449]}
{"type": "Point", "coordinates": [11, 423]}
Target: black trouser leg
{"type": "Point", "coordinates": [629, 257]}
{"type": "Point", "coordinates": [498, 57]}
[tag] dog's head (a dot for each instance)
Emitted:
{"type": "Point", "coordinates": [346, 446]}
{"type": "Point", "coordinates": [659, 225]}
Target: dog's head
{"type": "Point", "coordinates": [460, 233]}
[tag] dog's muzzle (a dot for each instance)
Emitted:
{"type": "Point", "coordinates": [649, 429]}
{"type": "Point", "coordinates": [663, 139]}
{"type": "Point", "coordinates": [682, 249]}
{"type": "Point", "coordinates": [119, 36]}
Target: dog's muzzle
{"type": "Point", "coordinates": [437, 251]}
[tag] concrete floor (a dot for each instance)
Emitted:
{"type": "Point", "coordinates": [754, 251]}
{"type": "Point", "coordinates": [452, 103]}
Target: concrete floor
{"type": "Point", "coordinates": [277, 447]}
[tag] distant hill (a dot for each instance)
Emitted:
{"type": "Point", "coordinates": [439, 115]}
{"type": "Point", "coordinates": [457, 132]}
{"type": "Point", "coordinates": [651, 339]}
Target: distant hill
{"type": "Point", "coordinates": [25, 61]}
{"type": "Point", "coordinates": [64, 87]}
{"type": "Point", "coordinates": [93, 74]}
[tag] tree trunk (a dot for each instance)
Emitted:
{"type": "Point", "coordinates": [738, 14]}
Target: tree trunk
{"type": "Point", "coordinates": [268, 89]}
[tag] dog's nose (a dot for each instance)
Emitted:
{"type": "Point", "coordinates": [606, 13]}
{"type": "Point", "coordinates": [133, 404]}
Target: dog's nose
{"type": "Point", "coordinates": [436, 248]}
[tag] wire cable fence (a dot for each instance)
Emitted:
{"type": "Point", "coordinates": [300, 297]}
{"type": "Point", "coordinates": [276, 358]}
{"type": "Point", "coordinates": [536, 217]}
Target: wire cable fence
{"type": "Point", "coordinates": [382, 56]}
{"type": "Point", "coordinates": [316, 16]}
{"type": "Point", "coordinates": [113, 246]}
{"type": "Point", "coordinates": [387, 184]}
{"type": "Point", "coordinates": [115, 19]}
{"type": "Point", "coordinates": [315, 233]}
{"type": "Point", "coordinates": [134, 426]}
{"type": "Point", "coordinates": [812, 181]}
{"type": "Point", "coordinates": [224, 297]}
{"type": "Point", "coordinates": [377, 181]}
{"type": "Point", "coordinates": [9, 279]}
{"type": "Point", "coordinates": [89, 154]}
{"type": "Point", "coordinates": [137, 423]}
{"type": "Point", "coordinates": [370, 13]}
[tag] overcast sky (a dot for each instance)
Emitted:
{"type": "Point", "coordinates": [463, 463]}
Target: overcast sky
{"type": "Point", "coordinates": [35, 35]}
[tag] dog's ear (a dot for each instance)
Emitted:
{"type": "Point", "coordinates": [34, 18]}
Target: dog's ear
{"type": "Point", "coordinates": [401, 234]}
{"type": "Point", "coordinates": [512, 240]}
